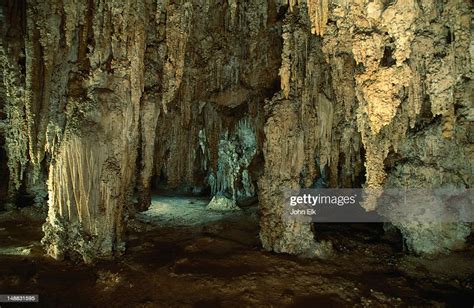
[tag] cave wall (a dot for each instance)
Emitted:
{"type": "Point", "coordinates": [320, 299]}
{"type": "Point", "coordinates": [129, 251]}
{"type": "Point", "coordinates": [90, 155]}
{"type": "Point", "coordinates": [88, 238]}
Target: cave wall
{"type": "Point", "coordinates": [399, 76]}
{"type": "Point", "coordinates": [414, 87]}
{"type": "Point", "coordinates": [216, 75]}
{"type": "Point", "coordinates": [113, 94]}
{"type": "Point", "coordinates": [102, 99]}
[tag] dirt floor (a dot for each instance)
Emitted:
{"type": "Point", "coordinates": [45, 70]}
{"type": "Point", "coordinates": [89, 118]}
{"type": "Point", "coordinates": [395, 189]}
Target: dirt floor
{"type": "Point", "coordinates": [221, 263]}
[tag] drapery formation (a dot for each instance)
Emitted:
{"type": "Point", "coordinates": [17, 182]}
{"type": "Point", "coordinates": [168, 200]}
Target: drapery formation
{"type": "Point", "coordinates": [99, 98]}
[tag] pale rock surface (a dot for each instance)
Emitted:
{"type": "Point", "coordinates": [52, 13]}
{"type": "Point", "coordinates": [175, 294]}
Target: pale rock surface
{"type": "Point", "coordinates": [222, 203]}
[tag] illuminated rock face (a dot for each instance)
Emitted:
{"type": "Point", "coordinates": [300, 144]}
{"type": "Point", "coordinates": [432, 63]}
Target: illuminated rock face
{"type": "Point", "coordinates": [82, 94]}
{"type": "Point", "coordinates": [221, 203]}
{"type": "Point", "coordinates": [391, 80]}
{"type": "Point", "coordinates": [101, 97]}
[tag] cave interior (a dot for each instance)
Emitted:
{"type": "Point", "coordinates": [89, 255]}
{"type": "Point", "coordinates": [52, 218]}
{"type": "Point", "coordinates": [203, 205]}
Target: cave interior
{"type": "Point", "coordinates": [147, 148]}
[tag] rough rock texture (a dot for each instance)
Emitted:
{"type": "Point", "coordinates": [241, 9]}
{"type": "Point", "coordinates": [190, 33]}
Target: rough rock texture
{"type": "Point", "coordinates": [414, 87]}
{"type": "Point", "coordinates": [81, 99]}
{"type": "Point", "coordinates": [400, 75]}
{"type": "Point", "coordinates": [91, 176]}
{"type": "Point", "coordinates": [311, 134]}
{"type": "Point", "coordinates": [101, 102]}
{"type": "Point", "coordinates": [102, 97]}
{"type": "Point", "coordinates": [13, 125]}
{"type": "Point", "coordinates": [215, 79]}
{"type": "Point", "coordinates": [221, 203]}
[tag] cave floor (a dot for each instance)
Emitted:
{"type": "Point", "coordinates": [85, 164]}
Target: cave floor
{"type": "Point", "coordinates": [181, 211]}
{"type": "Point", "coordinates": [220, 263]}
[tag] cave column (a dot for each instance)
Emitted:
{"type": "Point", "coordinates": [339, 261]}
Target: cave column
{"type": "Point", "coordinates": [92, 172]}
{"type": "Point", "coordinates": [293, 144]}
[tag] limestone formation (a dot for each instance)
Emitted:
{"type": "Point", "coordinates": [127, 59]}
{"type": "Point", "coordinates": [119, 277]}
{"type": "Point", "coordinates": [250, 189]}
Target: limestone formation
{"type": "Point", "coordinates": [222, 204]}
{"type": "Point", "coordinates": [103, 101]}
{"type": "Point", "coordinates": [383, 93]}
{"type": "Point", "coordinates": [414, 90]}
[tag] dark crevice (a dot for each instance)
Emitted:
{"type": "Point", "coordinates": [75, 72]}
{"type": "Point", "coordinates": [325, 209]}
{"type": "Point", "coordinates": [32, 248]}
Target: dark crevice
{"type": "Point", "coordinates": [387, 59]}
{"type": "Point", "coordinates": [449, 35]}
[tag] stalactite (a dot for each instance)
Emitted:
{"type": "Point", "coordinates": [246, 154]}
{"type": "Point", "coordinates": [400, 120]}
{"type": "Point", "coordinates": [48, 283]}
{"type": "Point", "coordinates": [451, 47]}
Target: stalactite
{"type": "Point", "coordinates": [376, 98]}
{"type": "Point", "coordinates": [204, 149]}
{"type": "Point", "coordinates": [232, 10]}
{"type": "Point", "coordinates": [285, 69]}
{"type": "Point", "coordinates": [378, 79]}
{"type": "Point", "coordinates": [16, 138]}
{"type": "Point", "coordinates": [220, 80]}
{"type": "Point", "coordinates": [392, 93]}
{"type": "Point", "coordinates": [12, 95]}
{"type": "Point", "coordinates": [318, 11]}
{"type": "Point", "coordinates": [325, 114]}
{"type": "Point", "coordinates": [299, 127]}
{"type": "Point", "coordinates": [92, 172]}
{"type": "Point", "coordinates": [178, 19]}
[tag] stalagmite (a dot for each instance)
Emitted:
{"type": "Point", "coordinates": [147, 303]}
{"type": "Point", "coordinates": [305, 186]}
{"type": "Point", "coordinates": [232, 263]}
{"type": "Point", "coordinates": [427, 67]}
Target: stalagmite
{"type": "Point", "coordinates": [235, 154]}
{"type": "Point", "coordinates": [102, 102]}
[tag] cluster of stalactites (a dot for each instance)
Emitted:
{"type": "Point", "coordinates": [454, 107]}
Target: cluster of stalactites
{"type": "Point", "coordinates": [318, 11]}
